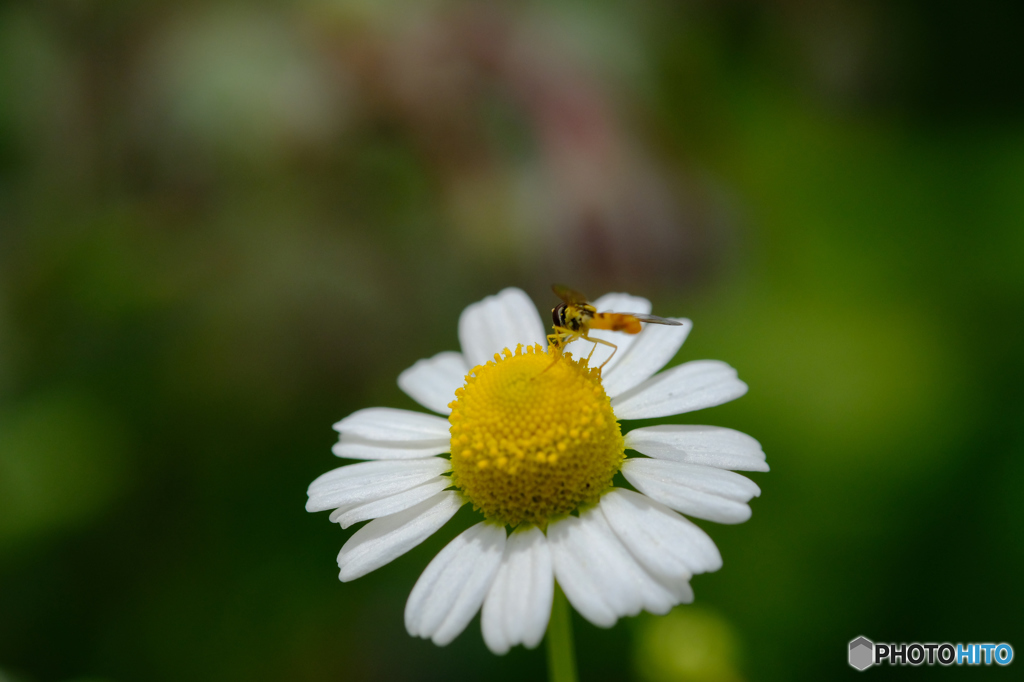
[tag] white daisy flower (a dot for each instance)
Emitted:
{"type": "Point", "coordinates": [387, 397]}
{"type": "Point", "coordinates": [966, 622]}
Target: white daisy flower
{"type": "Point", "coordinates": [534, 445]}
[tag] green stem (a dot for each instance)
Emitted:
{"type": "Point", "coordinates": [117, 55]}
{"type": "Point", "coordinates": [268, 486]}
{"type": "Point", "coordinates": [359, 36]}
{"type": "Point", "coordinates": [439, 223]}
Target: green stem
{"type": "Point", "coordinates": [561, 654]}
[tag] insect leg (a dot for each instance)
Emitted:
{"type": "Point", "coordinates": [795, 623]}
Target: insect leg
{"type": "Point", "coordinates": [558, 338]}
{"type": "Point", "coordinates": [596, 341]}
{"type": "Point", "coordinates": [558, 342]}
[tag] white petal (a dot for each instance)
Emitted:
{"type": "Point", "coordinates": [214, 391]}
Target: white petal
{"type": "Point", "coordinates": [367, 481]}
{"type": "Point", "coordinates": [432, 382]}
{"type": "Point", "coordinates": [349, 514]}
{"type": "Point", "coordinates": [576, 574]}
{"type": "Point", "coordinates": [518, 605]}
{"type": "Point", "coordinates": [703, 492]}
{"type": "Point", "coordinates": [622, 303]}
{"type": "Point", "coordinates": [499, 322]}
{"type": "Point", "coordinates": [600, 577]}
{"type": "Point", "coordinates": [390, 425]}
{"type": "Point", "coordinates": [707, 479]}
{"type": "Point", "coordinates": [614, 303]}
{"type": "Point", "coordinates": [666, 544]}
{"type": "Point", "coordinates": [708, 445]}
{"type": "Point", "coordinates": [354, 447]}
{"type": "Point", "coordinates": [385, 539]}
{"type": "Point", "coordinates": [653, 348]}
{"type": "Point", "coordinates": [684, 388]}
{"type": "Point", "coordinates": [454, 584]}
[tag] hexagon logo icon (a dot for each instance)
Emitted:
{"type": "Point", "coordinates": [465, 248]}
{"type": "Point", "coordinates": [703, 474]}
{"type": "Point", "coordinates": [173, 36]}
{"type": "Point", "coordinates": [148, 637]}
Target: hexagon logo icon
{"type": "Point", "coordinates": [862, 653]}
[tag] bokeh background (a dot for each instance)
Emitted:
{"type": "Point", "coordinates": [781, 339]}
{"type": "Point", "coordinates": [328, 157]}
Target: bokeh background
{"type": "Point", "coordinates": [224, 226]}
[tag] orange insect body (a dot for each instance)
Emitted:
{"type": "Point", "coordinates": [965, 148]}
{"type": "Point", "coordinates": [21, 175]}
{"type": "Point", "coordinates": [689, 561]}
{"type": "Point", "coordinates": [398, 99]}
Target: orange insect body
{"type": "Point", "coordinates": [616, 322]}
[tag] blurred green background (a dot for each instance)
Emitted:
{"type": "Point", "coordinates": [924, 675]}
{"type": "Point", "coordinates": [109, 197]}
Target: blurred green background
{"type": "Point", "coordinates": [224, 226]}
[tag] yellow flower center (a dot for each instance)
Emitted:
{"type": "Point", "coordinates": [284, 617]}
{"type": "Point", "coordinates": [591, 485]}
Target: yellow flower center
{"type": "Point", "coordinates": [533, 438]}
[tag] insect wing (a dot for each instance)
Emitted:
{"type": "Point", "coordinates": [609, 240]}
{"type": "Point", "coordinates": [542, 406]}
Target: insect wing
{"type": "Point", "coordinates": [568, 295]}
{"type": "Point", "coordinates": [654, 319]}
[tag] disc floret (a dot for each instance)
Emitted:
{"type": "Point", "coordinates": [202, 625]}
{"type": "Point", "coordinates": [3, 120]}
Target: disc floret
{"type": "Point", "coordinates": [533, 436]}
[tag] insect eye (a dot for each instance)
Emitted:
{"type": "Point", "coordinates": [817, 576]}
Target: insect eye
{"type": "Point", "coordinates": [556, 315]}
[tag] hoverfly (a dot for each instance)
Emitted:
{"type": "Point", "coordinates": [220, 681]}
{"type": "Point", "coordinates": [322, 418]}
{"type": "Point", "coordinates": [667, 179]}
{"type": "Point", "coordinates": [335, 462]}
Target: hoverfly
{"type": "Point", "coordinates": [575, 317]}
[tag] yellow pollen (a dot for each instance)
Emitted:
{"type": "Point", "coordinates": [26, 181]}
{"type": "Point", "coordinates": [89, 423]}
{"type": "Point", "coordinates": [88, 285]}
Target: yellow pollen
{"type": "Point", "coordinates": [546, 427]}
